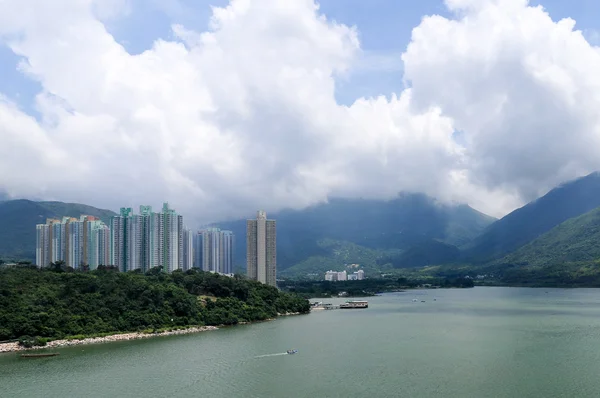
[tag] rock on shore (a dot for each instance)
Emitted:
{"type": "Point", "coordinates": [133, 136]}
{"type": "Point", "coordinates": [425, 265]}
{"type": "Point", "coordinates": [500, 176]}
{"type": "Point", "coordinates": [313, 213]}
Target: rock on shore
{"type": "Point", "coordinates": [10, 347]}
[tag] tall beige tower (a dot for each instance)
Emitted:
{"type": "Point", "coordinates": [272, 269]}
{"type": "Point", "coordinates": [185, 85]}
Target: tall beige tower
{"type": "Point", "coordinates": [261, 249]}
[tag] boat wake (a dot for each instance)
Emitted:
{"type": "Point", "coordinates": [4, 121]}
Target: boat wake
{"type": "Point", "coordinates": [271, 355]}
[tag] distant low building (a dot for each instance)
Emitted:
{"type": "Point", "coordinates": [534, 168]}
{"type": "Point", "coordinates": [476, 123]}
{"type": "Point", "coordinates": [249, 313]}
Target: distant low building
{"type": "Point", "coordinates": [334, 276]}
{"type": "Point", "coordinates": [331, 276]}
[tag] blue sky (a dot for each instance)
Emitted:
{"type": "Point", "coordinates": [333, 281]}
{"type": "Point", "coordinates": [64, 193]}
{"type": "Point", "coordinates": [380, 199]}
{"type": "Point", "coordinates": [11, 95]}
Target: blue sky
{"type": "Point", "coordinates": [384, 29]}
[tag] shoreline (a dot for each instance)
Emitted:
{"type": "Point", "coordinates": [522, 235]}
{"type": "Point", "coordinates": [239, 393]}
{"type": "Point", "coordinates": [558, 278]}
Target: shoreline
{"type": "Point", "coordinates": [15, 347]}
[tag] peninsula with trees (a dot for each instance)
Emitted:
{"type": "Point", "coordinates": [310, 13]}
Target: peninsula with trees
{"type": "Point", "coordinates": [57, 302]}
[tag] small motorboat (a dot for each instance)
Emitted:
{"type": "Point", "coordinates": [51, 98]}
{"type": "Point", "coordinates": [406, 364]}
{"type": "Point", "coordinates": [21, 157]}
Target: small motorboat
{"type": "Point", "coordinates": [292, 351]}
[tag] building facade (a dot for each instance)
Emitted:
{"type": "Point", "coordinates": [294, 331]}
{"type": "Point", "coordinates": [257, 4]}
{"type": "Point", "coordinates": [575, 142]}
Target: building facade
{"type": "Point", "coordinates": [147, 240]}
{"type": "Point", "coordinates": [261, 249]}
{"type": "Point", "coordinates": [43, 245]}
{"type": "Point", "coordinates": [130, 241]}
{"type": "Point", "coordinates": [216, 252]}
{"type": "Point", "coordinates": [188, 249]}
{"type": "Point", "coordinates": [78, 243]}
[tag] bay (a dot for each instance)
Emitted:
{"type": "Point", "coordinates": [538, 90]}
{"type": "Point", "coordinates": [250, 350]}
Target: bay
{"type": "Point", "coordinates": [480, 342]}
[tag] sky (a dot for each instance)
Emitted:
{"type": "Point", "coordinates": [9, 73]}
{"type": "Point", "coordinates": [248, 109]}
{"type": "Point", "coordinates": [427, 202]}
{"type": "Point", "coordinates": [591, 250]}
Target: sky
{"type": "Point", "coordinates": [226, 107]}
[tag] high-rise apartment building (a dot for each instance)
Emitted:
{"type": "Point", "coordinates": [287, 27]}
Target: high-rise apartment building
{"type": "Point", "coordinates": [43, 245]}
{"type": "Point", "coordinates": [188, 249]}
{"type": "Point", "coordinates": [58, 236]}
{"type": "Point", "coordinates": [152, 236]}
{"type": "Point", "coordinates": [216, 250]}
{"type": "Point", "coordinates": [122, 241]}
{"type": "Point", "coordinates": [198, 252]}
{"type": "Point", "coordinates": [147, 240]}
{"type": "Point", "coordinates": [101, 256]}
{"type": "Point", "coordinates": [226, 247]}
{"type": "Point", "coordinates": [261, 249]}
{"type": "Point", "coordinates": [172, 244]}
{"type": "Point", "coordinates": [76, 242]}
{"type": "Point", "coordinates": [131, 241]}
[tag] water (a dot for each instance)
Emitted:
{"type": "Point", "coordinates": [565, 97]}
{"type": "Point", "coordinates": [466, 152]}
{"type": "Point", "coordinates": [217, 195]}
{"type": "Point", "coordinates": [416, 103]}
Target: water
{"type": "Point", "coordinates": [481, 342]}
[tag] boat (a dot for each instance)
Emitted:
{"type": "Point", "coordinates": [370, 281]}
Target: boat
{"type": "Point", "coordinates": [292, 351]}
{"type": "Point", "coordinates": [45, 354]}
{"type": "Point", "coordinates": [354, 304]}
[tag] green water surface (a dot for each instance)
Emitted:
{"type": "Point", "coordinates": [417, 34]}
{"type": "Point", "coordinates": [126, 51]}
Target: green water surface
{"type": "Point", "coordinates": [481, 342]}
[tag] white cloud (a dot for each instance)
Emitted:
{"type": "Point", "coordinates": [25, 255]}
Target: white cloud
{"type": "Point", "coordinates": [524, 89]}
{"type": "Point", "coordinates": [243, 116]}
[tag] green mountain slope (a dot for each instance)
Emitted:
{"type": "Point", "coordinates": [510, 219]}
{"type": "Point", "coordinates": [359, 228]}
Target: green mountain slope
{"type": "Point", "coordinates": [532, 220]}
{"type": "Point", "coordinates": [18, 219]}
{"type": "Point", "coordinates": [427, 252]}
{"type": "Point", "coordinates": [575, 240]}
{"type": "Point", "coordinates": [339, 256]}
{"type": "Point", "coordinates": [374, 225]}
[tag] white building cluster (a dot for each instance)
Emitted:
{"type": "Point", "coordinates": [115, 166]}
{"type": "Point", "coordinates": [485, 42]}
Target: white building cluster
{"type": "Point", "coordinates": [147, 240]}
{"type": "Point", "coordinates": [134, 241]}
{"type": "Point", "coordinates": [214, 251]}
{"type": "Point", "coordinates": [76, 241]}
{"type": "Point", "coordinates": [335, 276]}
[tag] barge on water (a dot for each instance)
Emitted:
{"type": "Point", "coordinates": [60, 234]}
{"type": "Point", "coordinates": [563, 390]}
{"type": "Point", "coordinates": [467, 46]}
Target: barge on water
{"type": "Point", "coordinates": [354, 304]}
{"type": "Point", "coordinates": [41, 355]}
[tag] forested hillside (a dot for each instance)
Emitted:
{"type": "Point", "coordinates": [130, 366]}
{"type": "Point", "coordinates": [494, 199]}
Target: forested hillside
{"type": "Point", "coordinates": [58, 302]}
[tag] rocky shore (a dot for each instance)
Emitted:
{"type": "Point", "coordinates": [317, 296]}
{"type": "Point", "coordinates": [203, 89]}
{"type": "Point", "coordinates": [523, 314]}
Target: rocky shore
{"type": "Point", "coordinates": [10, 347]}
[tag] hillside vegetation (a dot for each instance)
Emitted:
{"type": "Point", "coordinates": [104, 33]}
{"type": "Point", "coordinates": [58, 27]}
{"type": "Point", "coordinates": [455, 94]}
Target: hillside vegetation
{"type": "Point", "coordinates": [58, 302]}
{"type": "Point", "coordinates": [534, 219]}
{"type": "Point", "coordinates": [575, 240]}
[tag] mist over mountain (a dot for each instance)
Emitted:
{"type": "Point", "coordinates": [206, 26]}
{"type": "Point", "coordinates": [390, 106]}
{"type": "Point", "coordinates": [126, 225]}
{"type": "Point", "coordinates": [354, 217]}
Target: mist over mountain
{"type": "Point", "coordinates": [521, 226]}
{"type": "Point", "coordinates": [373, 224]}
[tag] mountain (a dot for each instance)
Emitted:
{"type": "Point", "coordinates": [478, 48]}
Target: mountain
{"type": "Point", "coordinates": [523, 225]}
{"type": "Point", "coordinates": [357, 230]}
{"type": "Point", "coordinates": [575, 240]}
{"type": "Point", "coordinates": [18, 219]}
{"type": "Point", "coordinates": [424, 253]}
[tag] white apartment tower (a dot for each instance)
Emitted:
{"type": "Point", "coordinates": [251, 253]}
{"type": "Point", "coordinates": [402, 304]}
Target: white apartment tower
{"type": "Point", "coordinates": [216, 250]}
{"type": "Point", "coordinates": [188, 249]}
{"type": "Point", "coordinates": [76, 242]}
{"type": "Point", "coordinates": [42, 245]}
{"type": "Point", "coordinates": [171, 248]}
{"type": "Point", "coordinates": [261, 249]}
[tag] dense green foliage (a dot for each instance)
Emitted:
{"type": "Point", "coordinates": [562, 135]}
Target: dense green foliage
{"type": "Point", "coordinates": [58, 302]}
{"type": "Point", "coordinates": [575, 240]}
{"type": "Point", "coordinates": [369, 287]}
{"type": "Point", "coordinates": [573, 274]}
{"type": "Point", "coordinates": [532, 220]}
{"type": "Point", "coordinates": [373, 225]}
{"type": "Point", "coordinates": [18, 219]}
{"type": "Point", "coordinates": [422, 254]}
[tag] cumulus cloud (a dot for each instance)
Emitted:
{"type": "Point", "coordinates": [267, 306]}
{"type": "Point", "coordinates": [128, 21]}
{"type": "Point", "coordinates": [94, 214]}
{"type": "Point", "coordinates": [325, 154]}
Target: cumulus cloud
{"type": "Point", "coordinates": [243, 116]}
{"type": "Point", "coordinates": [523, 88]}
